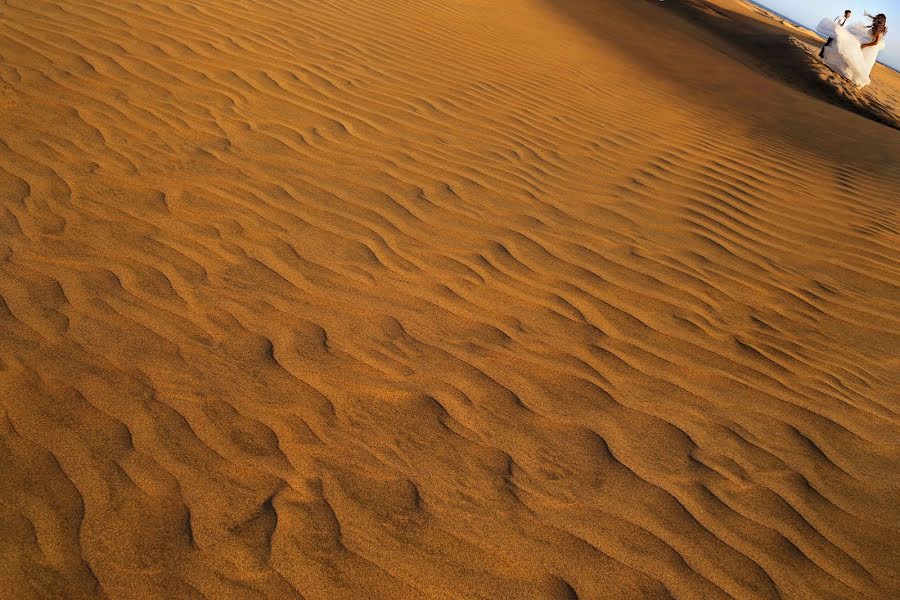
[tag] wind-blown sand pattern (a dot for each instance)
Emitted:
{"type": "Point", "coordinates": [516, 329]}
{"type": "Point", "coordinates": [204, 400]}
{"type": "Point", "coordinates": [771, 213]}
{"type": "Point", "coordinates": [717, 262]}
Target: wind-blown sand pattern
{"type": "Point", "coordinates": [438, 299]}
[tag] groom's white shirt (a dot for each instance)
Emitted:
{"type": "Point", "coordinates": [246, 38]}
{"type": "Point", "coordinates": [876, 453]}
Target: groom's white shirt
{"type": "Point", "coordinates": [841, 20]}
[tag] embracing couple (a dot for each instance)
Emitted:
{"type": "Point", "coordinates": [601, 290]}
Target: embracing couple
{"type": "Point", "coordinates": [851, 50]}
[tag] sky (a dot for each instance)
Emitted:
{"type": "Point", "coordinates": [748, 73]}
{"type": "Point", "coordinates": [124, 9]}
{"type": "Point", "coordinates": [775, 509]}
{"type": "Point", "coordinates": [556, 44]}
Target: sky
{"type": "Point", "coordinates": [810, 12]}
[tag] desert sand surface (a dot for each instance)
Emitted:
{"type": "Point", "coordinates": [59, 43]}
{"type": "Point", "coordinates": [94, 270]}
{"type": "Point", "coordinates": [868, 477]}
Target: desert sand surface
{"type": "Point", "coordinates": [757, 36]}
{"type": "Point", "coordinates": [443, 299]}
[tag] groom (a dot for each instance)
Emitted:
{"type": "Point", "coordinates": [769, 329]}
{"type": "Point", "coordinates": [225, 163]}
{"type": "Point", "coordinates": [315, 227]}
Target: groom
{"type": "Point", "coordinates": [840, 21]}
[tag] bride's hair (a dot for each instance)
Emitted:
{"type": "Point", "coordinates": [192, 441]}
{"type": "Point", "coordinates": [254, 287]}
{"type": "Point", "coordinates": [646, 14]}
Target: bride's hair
{"type": "Point", "coordinates": [879, 25]}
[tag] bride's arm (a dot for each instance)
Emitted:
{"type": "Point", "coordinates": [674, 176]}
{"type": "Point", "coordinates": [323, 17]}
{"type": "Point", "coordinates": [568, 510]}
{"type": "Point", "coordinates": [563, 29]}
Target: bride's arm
{"type": "Point", "coordinates": [872, 43]}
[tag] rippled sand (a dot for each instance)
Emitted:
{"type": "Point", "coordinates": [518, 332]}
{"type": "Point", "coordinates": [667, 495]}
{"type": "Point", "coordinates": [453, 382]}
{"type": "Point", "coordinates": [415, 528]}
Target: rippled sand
{"type": "Point", "coordinates": [440, 299]}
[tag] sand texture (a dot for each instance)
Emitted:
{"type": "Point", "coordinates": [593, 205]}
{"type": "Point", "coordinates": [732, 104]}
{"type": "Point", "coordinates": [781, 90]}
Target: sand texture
{"type": "Point", "coordinates": [469, 299]}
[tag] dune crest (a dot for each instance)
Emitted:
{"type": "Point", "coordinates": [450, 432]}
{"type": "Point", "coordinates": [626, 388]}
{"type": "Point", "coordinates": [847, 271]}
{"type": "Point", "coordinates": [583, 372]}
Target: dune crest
{"type": "Point", "coordinates": [472, 299]}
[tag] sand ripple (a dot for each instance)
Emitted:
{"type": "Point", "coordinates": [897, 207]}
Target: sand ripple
{"type": "Point", "coordinates": [377, 298]}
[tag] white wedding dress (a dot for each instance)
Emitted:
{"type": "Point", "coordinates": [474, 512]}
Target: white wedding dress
{"type": "Point", "coordinates": [845, 54]}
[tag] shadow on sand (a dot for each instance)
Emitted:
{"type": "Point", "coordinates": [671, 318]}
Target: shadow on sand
{"type": "Point", "coordinates": [789, 55]}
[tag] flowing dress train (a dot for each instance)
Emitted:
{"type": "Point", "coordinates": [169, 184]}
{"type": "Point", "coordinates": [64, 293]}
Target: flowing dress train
{"type": "Point", "coordinates": [845, 53]}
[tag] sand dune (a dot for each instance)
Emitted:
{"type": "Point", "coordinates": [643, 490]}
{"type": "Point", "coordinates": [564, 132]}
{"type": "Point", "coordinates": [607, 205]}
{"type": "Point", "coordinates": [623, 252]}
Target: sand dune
{"type": "Point", "coordinates": [439, 299]}
{"type": "Point", "coordinates": [759, 38]}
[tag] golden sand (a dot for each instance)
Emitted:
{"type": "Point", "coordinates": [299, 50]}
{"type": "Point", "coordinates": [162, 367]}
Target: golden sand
{"type": "Point", "coordinates": [443, 299]}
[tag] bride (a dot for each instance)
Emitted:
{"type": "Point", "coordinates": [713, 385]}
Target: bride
{"type": "Point", "coordinates": [854, 49]}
